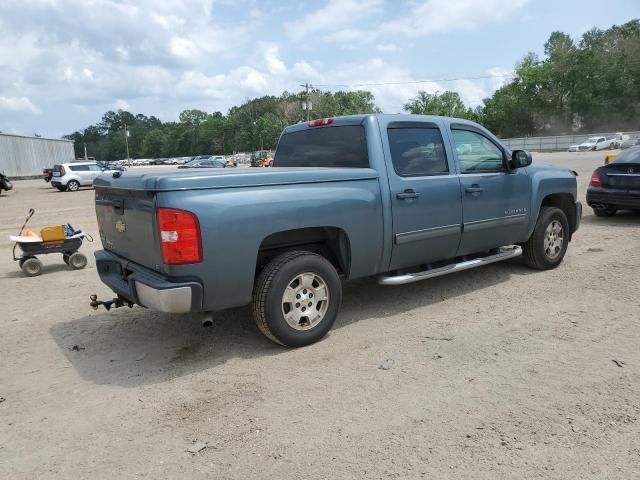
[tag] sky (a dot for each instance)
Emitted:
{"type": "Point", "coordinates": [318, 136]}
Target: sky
{"type": "Point", "coordinates": [63, 63]}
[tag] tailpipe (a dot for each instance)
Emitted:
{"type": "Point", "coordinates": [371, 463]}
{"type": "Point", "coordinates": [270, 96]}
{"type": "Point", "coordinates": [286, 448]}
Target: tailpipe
{"type": "Point", "coordinates": [207, 320]}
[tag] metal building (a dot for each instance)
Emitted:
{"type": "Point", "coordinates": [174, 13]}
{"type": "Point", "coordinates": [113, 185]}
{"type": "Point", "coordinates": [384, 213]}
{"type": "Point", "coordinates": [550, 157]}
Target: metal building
{"type": "Point", "coordinates": [22, 156]}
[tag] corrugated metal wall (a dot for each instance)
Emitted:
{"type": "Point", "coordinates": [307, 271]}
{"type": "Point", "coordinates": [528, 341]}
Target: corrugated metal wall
{"type": "Point", "coordinates": [556, 143]}
{"type": "Point", "coordinates": [27, 156]}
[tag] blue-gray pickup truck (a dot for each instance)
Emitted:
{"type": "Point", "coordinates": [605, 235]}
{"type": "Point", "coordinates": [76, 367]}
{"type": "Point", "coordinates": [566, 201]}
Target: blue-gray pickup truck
{"type": "Point", "coordinates": [402, 197]}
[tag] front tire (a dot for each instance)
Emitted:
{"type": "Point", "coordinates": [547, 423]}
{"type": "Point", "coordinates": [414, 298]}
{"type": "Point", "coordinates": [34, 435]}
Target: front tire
{"type": "Point", "coordinates": [296, 298]}
{"type": "Point", "coordinates": [548, 243]}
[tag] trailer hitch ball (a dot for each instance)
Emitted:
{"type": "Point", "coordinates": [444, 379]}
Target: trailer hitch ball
{"type": "Point", "coordinates": [115, 303]}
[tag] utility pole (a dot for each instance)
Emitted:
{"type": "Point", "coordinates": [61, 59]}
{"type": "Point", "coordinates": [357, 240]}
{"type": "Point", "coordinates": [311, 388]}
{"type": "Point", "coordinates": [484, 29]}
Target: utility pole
{"type": "Point", "coordinates": [126, 142]}
{"type": "Point", "coordinates": [307, 103]}
{"type": "Point", "coordinates": [86, 158]}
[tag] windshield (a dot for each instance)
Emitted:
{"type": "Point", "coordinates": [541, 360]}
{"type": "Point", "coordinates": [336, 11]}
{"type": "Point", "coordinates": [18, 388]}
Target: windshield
{"type": "Point", "coordinates": [628, 156]}
{"type": "Point", "coordinates": [592, 140]}
{"type": "Point", "coordinates": [193, 163]}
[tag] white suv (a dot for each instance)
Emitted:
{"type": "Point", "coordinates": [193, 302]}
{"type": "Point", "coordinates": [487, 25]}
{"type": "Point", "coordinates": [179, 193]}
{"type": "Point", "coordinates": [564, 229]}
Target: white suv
{"type": "Point", "coordinates": [72, 176]}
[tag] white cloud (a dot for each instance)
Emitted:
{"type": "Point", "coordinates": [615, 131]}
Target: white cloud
{"type": "Point", "coordinates": [387, 47]}
{"type": "Point", "coordinates": [121, 104]}
{"type": "Point", "coordinates": [17, 105]}
{"type": "Point", "coordinates": [433, 16]}
{"type": "Point", "coordinates": [274, 64]}
{"type": "Point", "coordinates": [333, 16]}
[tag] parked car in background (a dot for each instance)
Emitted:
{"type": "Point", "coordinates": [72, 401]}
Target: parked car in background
{"type": "Point", "coordinates": [616, 185]}
{"type": "Point", "coordinates": [619, 138]}
{"type": "Point", "coordinates": [630, 142]}
{"type": "Point", "coordinates": [349, 197]}
{"type": "Point", "coordinates": [206, 163]}
{"type": "Point", "coordinates": [72, 176]}
{"type": "Point", "coordinates": [594, 143]}
{"type": "Point", "coordinates": [5, 183]}
{"type": "Point", "coordinates": [47, 173]}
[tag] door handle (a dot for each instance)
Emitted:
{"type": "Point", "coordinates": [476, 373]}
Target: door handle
{"type": "Point", "coordinates": [408, 193]}
{"type": "Point", "coordinates": [474, 190]}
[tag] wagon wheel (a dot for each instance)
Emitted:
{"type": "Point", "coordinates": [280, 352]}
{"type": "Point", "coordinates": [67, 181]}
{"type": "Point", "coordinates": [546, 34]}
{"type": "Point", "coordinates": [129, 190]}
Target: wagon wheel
{"type": "Point", "coordinates": [77, 261]}
{"type": "Point", "coordinates": [32, 267]}
{"type": "Point", "coordinates": [22, 260]}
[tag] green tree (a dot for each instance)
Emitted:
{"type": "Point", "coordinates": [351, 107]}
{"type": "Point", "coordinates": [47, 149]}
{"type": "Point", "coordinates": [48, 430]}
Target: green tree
{"type": "Point", "coordinates": [447, 104]}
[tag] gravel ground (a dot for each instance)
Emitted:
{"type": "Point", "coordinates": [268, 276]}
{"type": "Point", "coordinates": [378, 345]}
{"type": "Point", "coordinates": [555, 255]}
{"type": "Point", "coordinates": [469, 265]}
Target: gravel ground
{"type": "Point", "coordinates": [498, 372]}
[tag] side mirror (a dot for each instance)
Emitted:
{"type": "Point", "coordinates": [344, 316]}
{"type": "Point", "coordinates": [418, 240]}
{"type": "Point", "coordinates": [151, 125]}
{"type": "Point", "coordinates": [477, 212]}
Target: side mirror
{"type": "Point", "coordinates": [520, 158]}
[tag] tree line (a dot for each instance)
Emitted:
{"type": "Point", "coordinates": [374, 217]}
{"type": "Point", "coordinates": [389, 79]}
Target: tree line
{"type": "Point", "coordinates": [592, 84]}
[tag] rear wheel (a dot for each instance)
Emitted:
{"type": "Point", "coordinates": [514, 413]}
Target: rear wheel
{"type": "Point", "coordinates": [548, 243]}
{"type": "Point", "coordinates": [73, 185]}
{"type": "Point", "coordinates": [62, 188]}
{"type": "Point", "coordinates": [32, 267]}
{"type": "Point", "coordinates": [77, 261]}
{"type": "Point", "coordinates": [604, 212]}
{"type": "Point", "coordinates": [296, 298]}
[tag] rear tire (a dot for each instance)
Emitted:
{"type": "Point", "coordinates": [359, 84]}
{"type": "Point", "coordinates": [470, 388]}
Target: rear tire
{"type": "Point", "coordinates": [73, 185]}
{"type": "Point", "coordinates": [296, 298]}
{"type": "Point", "coordinates": [604, 212]}
{"type": "Point", "coordinates": [548, 243]}
{"type": "Point", "coordinates": [77, 261]}
{"type": "Point", "coordinates": [32, 267]}
{"type": "Point", "coordinates": [62, 188]}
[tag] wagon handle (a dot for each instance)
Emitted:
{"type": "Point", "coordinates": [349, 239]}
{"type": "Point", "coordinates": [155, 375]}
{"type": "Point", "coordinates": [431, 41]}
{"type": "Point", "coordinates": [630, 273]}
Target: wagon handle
{"type": "Point", "coordinates": [31, 212]}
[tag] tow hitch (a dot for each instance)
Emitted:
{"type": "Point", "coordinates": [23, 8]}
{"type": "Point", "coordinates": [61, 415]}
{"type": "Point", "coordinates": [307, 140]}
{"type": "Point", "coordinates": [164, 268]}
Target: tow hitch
{"type": "Point", "coordinates": [115, 303]}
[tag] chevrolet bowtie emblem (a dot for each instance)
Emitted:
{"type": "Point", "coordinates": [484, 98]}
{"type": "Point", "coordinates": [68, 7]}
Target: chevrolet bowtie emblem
{"type": "Point", "coordinates": [121, 227]}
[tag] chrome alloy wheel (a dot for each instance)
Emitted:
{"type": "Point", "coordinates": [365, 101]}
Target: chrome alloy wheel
{"type": "Point", "coordinates": [305, 301]}
{"type": "Point", "coordinates": [553, 240]}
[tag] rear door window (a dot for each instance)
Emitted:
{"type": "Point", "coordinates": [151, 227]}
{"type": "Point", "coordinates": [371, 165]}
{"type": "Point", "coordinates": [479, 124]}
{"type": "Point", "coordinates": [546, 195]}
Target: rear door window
{"type": "Point", "coordinates": [79, 168]}
{"type": "Point", "coordinates": [339, 146]}
{"type": "Point", "coordinates": [417, 152]}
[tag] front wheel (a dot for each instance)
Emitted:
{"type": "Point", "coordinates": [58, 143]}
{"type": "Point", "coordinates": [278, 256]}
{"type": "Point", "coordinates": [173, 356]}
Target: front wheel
{"type": "Point", "coordinates": [296, 298]}
{"type": "Point", "coordinates": [548, 243]}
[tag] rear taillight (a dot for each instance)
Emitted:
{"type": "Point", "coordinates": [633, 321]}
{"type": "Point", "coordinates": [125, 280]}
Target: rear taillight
{"type": "Point", "coordinates": [595, 180]}
{"type": "Point", "coordinates": [179, 236]}
{"type": "Point", "coordinates": [61, 171]}
{"type": "Point", "coordinates": [320, 121]}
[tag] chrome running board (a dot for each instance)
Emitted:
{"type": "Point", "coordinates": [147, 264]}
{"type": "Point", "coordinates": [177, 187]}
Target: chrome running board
{"type": "Point", "coordinates": [505, 253]}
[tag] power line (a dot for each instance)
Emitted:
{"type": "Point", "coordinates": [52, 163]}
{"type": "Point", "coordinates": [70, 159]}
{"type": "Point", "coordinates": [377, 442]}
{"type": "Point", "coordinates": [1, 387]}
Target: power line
{"type": "Point", "coordinates": [445, 79]}
{"type": "Point", "coordinates": [411, 82]}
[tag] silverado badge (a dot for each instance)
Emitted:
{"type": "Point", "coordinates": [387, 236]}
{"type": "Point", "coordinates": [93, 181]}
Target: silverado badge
{"type": "Point", "coordinates": [121, 227]}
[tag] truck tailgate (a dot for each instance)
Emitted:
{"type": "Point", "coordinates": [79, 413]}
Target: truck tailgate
{"type": "Point", "coordinates": [127, 225]}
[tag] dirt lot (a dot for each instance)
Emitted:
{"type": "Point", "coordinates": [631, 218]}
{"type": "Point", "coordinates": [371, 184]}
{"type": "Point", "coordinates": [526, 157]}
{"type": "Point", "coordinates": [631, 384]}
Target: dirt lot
{"type": "Point", "coordinates": [499, 372]}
